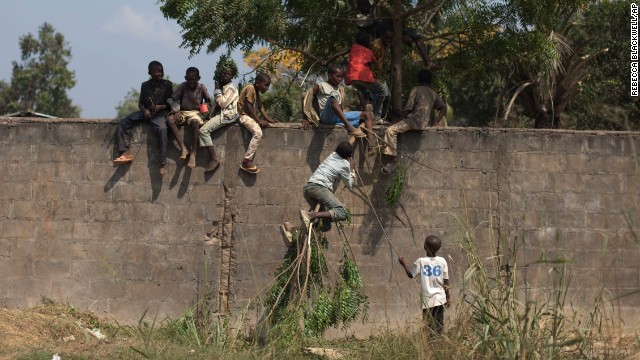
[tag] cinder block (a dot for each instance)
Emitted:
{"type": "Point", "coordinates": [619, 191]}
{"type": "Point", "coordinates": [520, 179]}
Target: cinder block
{"type": "Point", "coordinates": [16, 266]}
{"type": "Point", "coordinates": [54, 190]}
{"type": "Point", "coordinates": [15, 190]}
{"type": "Point", "coordinates": [131, 192]}
{"type": "Point", "coordinates": [26, 287]}
{"type": "Point", "coordinates": [63, 289]}
{"type": "Point", "coordinates": [582, 202]}
{"type": "Point", "coordinates": [22, 229]}
{"type": "Point", "coordinates": [52, 269]}
{"type": "Point", "coordinates": [69, 209]}
{"type": "Point", "coordinates": [105, 288]}
{"type": "Point", "coordinates": [31, 209]}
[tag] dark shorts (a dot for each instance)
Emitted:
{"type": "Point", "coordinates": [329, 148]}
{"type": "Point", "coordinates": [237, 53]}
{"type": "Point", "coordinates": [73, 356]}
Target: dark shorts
{"type": "Point", "coordinates": [434, 319]}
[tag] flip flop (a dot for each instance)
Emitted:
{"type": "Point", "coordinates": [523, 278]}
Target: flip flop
{"type": "Point", "coordinates": [388, 169]}
{"type": "Point", "coordinates": [287, 237]}
{"type": "Point", "coordinates": [122, 160]}
{"type": "Point", "coordinates": [250, 169]}
{"type": "Point", "coordinates": [358, 133]}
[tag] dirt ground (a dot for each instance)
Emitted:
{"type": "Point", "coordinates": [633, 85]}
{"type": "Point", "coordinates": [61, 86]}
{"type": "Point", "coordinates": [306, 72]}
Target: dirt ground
{"type": "Point", "coordinates": [42, 331]}
{"type": "Point", "coordinates": [39, 333]}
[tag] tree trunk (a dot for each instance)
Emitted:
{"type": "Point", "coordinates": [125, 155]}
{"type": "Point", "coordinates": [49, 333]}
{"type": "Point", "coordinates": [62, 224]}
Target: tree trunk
{"type": "Point", "coordinates": [396, 61]}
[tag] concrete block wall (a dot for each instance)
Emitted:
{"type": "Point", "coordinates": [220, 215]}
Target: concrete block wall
{"type": "Point", "coordinates": [123, 240]}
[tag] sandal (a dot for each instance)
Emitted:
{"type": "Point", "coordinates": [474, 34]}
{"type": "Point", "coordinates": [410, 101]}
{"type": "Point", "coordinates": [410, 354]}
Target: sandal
{"type": "Point", "coordinates": [287, 237]}
{"type": "Point", "coordinates": [388, 169]}
{"type": "Point", "coordinates": [250, 168]}
{"type": "Point", "coordinates": [122, 159]}
{"type": "Point", "coordinates": [357, 133]}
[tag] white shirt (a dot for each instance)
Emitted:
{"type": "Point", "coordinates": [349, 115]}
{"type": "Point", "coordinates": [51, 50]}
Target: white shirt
{"type": "Point", "coordinates": [432, 272]}
{"type": "Point", "coordinates": [227, 100]}
{"type": "Point", "coordinates": [325, 91]}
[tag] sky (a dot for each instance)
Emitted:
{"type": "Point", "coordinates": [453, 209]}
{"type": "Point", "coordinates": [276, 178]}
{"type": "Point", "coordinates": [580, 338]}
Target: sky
{"type": "Point", "coordinates": [112, 42]}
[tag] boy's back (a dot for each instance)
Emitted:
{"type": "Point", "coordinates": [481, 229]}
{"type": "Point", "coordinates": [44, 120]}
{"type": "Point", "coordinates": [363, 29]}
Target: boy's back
{"type": "Point", "coordinates": [422, 100]}
{"type": "Point", "coordinates": [432, 270]}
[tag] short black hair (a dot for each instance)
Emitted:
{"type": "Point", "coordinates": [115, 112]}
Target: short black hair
{"type": "Point", "coordinates": [153, 64]}
{"type": "Point", "coordinates": [192, 70]}
{"type": "Point", "coordinates": [363, 39]}
{"type": "Point", "coordinates": [424, 76]}
{"type": "Point", "coordinates": [345, 150]}
{"type": "Point", "coordinates": [263, 77]}
{"type": "Point", "coordinates": [432, 243]}
{"type": "Point", "coordinates": [332, 69]}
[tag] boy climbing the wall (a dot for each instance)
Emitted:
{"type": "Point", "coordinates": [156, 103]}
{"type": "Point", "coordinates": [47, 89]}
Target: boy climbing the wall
{"type": "Point", "coordinates": [152, 106]}
{"type": "Point", "coordinates": [249, 104]}
{"type": "Point", "coordinates": [319, 188]}
{"type": "Point", "coordinates": [415, 116]}
{"type": "Point", "coordinates": [185, 106]}
{"type": "Point", "coordinates": [434, 284]}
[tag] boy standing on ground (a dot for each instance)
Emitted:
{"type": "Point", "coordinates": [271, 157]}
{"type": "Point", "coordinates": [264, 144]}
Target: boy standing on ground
{"type": "Point", "coordinates": [249, 104]}
{"type": "Point", "coordinates": [226, 100]}
{"type": "Point", "coordinates": [329, 96]}
{"type": "Point", "coordinates": [434, 284]}
{"type": "Point", "coordinates": [415, 116]}
{"type": "Point", "coordinates": [319, 188]}
{"type": "Point", "coordinates": [185, 106]}
{"type": "Point", "coordinates": [153, 107]}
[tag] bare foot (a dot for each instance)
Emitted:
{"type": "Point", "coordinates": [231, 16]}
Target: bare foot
{"type": "Point", "coordinates": [184, 155]}
{"type": "Point", "coordinates": [192, 161]}
{"type": "Point", "coordinates": [288, 226]}
{"type": "Point", "coordinates": [212, 165]}
{"type": "Point", "coordinates": [163, 170]}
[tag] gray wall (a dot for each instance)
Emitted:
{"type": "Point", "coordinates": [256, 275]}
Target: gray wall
{"type": "Point", "coordinates": [122, 240]}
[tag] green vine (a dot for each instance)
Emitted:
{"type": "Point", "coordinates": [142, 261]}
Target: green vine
{"type": "Point", "coordinates": [393, 192]}
{"type": "Point", "coordinates": [315, 299]}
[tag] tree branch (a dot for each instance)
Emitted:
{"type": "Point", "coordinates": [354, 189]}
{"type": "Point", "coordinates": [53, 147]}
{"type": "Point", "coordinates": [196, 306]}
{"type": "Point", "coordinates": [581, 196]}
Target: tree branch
{"type": "Point", "coordinates": [286, 47]}
{"type": "Point", "coordinates": [418, 9]}
{"type": "Point", "coordinates": [317, 60]}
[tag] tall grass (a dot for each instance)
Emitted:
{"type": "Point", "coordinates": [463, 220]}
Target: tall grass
{"type": "Point", "coordinates": [496, 316]}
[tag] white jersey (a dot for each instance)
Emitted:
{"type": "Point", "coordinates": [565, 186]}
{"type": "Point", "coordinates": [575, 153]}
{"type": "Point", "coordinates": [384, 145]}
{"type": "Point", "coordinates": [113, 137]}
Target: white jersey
{"type": "Point", "coordinates": [432, 271]}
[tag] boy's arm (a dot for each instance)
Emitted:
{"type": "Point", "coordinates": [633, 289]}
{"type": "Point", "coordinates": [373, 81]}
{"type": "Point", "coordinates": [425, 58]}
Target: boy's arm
{"type": "Point", "coordinates": [337, 109]}
{"type": "Point", "coordinates": [141, 107]}
{"type": "Point", "coordinates": [447, 293]}
{"type": "Point", "coordinates": [441, 107]}
{"type": "Point", "coordinates": [266, 116]}
{"type": "Point", "coordinates": [406, 268]}
{"type": "Point", "coordinates": [226, 97]}
{"type": "Point", "coordinates": [248, 108]}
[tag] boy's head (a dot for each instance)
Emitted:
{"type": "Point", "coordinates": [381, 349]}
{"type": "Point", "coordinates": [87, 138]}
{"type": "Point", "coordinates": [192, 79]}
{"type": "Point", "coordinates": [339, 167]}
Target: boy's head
{"type": "Point", "coordinates": [432, 244]}
{"type": "Point", "coordinates": [363, 39]}
{"type": "Point", "coordinates": [262, 83]}
{"type": "Point", "coordinates": [226, 70]}
{"type": "Point", "coordinates": [192, 77]}
{"type": "Point", "coordinates": [345, 150]}
{"type": "Point", "coordinates": [156, 71]}
{"type": "Point", "coordinates": [334, 75]}
{"type": "Point", "coordinates": [424, 77]}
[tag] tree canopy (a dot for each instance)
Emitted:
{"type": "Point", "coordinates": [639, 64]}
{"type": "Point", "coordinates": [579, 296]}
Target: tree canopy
{"type": "Point", "coordinates": [40, 81]}
{"type": "Point", "coordinates": [503, 63]}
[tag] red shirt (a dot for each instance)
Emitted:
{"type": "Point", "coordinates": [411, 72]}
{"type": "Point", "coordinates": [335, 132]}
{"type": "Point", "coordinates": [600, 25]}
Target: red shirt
{"type": "Point", "coordinates": [358, 67]}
